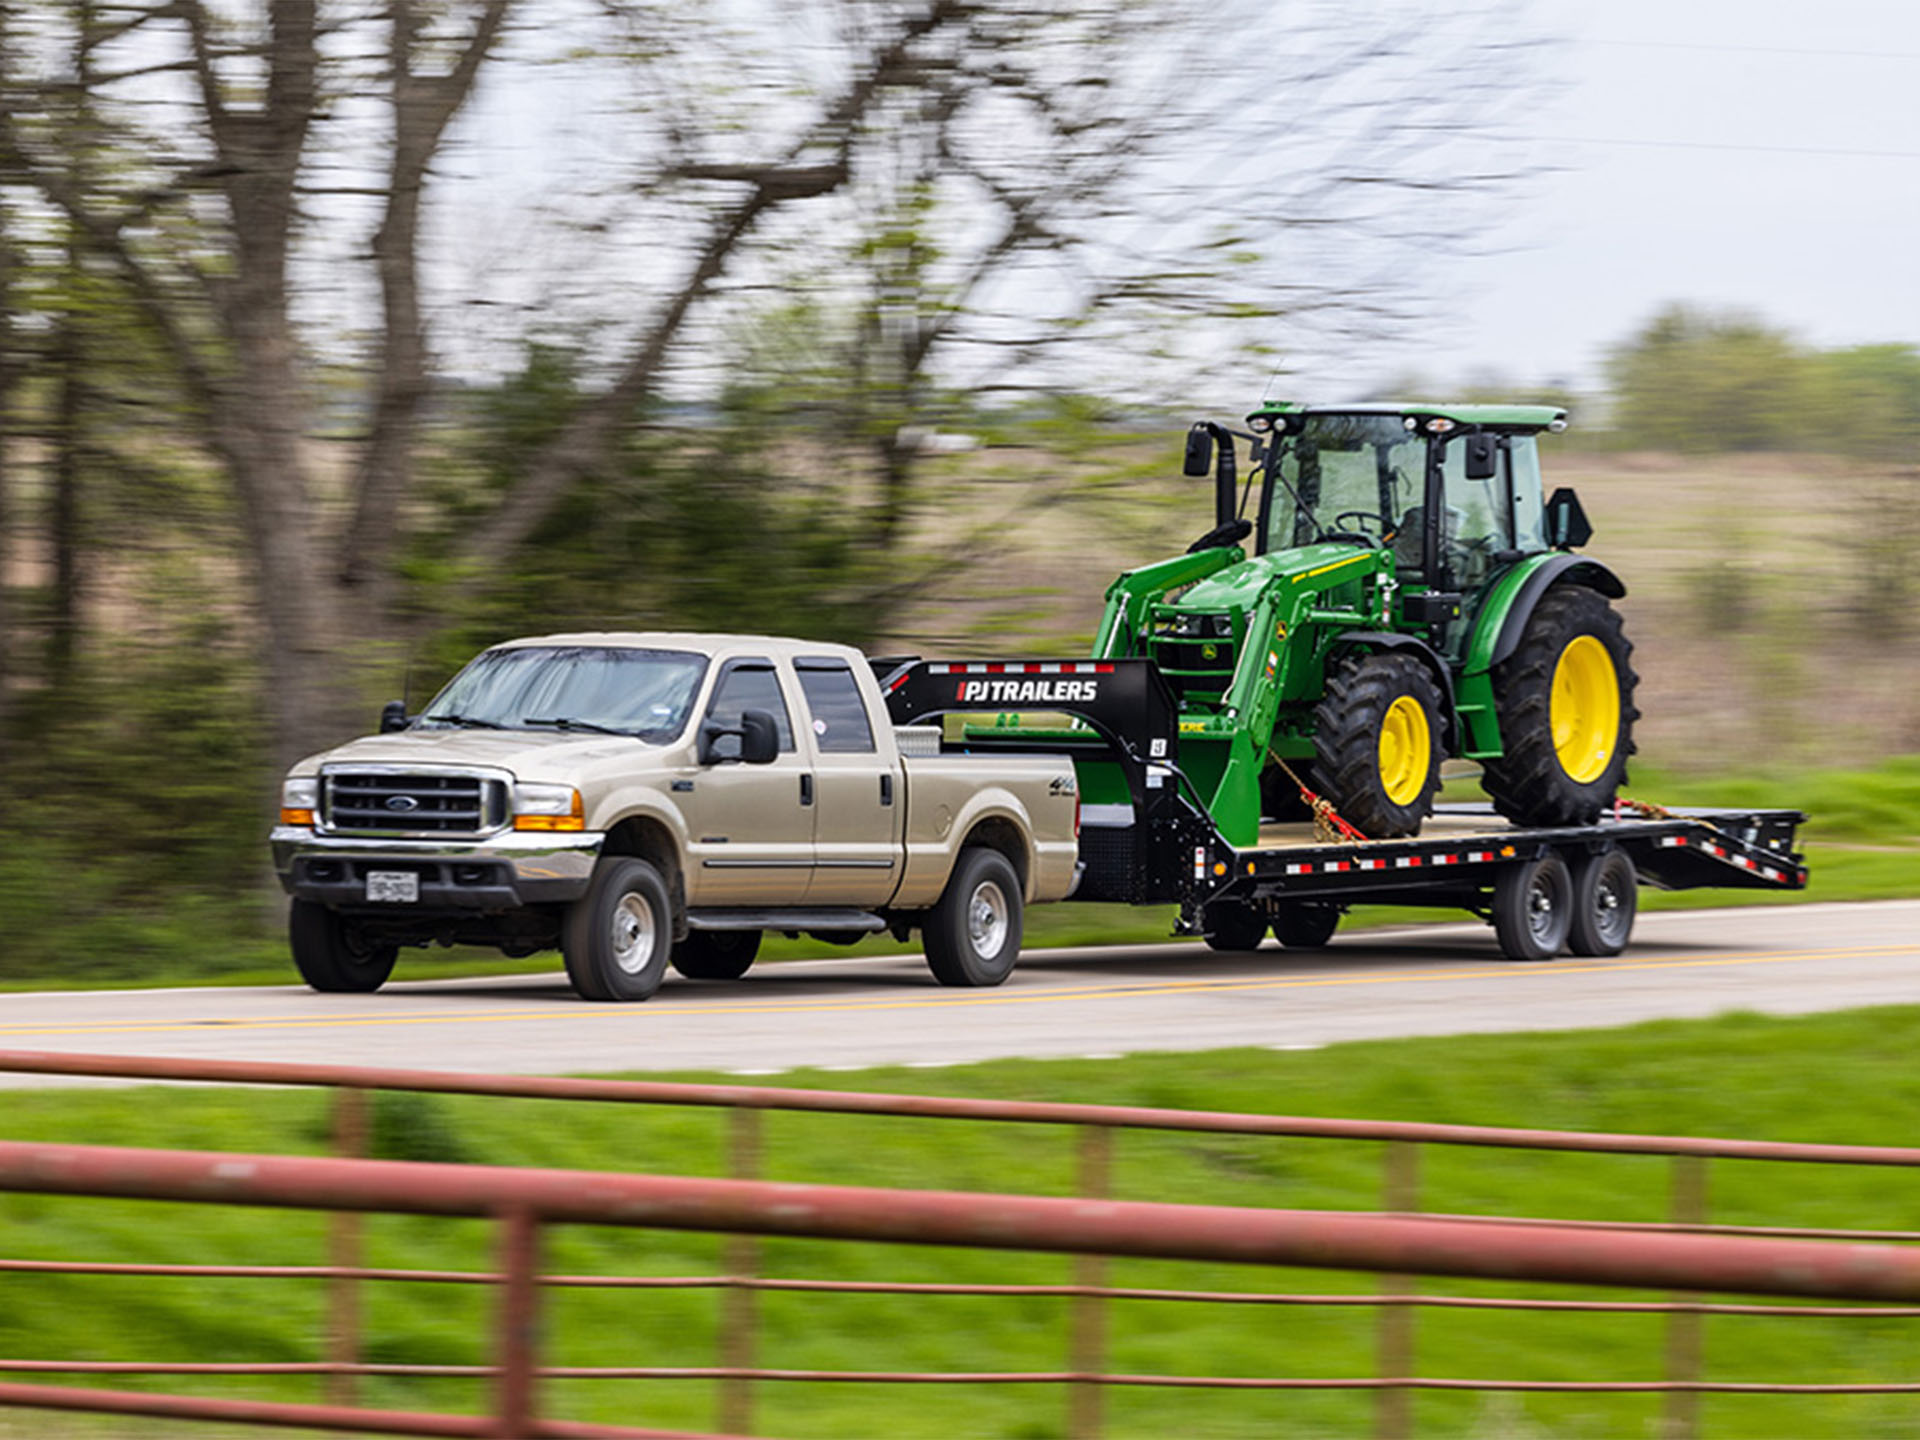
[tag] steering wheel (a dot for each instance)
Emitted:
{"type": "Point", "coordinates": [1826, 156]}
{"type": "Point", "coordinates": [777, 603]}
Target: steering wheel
{"type": "Point", "coordinates": [1358, 536]}
{"type": "Point", "coordinates": [1361, 520]}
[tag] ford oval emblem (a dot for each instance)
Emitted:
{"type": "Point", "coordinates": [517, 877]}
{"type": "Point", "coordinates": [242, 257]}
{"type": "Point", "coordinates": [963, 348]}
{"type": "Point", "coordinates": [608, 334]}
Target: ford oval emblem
{"type": "Point", "coordinates": [403, 803]}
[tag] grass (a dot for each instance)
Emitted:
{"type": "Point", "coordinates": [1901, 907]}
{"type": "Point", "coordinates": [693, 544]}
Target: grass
{"type": "Point", "coordinates": [1741, 1075]}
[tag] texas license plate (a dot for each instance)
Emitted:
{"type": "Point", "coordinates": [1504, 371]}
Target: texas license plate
{"type": "Point", "coordinates": [393, 886]}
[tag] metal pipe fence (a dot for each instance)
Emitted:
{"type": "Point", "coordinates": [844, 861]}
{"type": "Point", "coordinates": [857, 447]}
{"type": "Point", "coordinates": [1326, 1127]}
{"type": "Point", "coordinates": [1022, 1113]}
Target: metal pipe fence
{"type": "Point", "coordinates": [1683, 1255]}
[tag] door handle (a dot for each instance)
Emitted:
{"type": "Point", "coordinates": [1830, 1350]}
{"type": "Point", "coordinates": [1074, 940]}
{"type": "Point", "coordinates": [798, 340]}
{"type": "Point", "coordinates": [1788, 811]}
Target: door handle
{"type": "Point", "coordinates": [806, 789]}
{"type": "Point", "coordinates": [886, 789]}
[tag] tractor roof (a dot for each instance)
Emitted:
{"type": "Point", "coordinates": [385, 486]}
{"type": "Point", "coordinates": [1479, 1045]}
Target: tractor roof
{"type": "Point", "coordinates": [1502, 417]}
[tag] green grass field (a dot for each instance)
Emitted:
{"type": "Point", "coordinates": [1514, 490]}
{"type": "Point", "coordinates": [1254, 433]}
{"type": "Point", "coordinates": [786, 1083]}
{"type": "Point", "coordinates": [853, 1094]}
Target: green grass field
{"type": "Point", "coordinates": [1843, 1077]}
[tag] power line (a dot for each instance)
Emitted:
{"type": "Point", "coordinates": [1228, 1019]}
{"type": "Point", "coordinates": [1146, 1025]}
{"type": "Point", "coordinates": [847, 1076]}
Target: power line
{"type": "Point", "coordinates": [1750, 149]}
{"type": "Point", "coordinates": [1794, 50]}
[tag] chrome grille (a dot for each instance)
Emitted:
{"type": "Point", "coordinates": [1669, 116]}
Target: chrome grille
{"type": "Point", "coordinates": [372, 802]}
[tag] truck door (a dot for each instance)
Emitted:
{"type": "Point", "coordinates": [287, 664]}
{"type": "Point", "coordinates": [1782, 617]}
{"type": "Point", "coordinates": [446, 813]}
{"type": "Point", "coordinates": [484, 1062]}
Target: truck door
{"type": "Point", "coordinates": [857, 830]}
{"type": "Point", "coordinates": [749, 827]}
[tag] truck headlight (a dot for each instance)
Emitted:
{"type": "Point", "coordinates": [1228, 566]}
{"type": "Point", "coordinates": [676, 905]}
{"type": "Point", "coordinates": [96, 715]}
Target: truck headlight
{"type": "Point", "coordinates": [547, 807]}
{"type": "Point", "coordinates": [298, 800]}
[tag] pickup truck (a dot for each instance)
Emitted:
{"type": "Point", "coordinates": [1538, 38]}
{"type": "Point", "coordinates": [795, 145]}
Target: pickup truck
{"type": "Point", "coordinates": [641, 800]}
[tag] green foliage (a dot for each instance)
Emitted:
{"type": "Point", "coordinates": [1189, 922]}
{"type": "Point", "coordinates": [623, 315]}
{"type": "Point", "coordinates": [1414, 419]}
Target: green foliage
{"type": "Point", "coordinates": [1694, 381]}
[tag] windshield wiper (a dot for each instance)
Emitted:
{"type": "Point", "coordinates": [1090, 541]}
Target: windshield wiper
{"type": "Point", "coordinates": [465, 722]}
{"type": "Point", "coordinates": [566, 722]}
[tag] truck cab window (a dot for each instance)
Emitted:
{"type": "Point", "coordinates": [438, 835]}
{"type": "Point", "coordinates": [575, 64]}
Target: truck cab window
{"type": "Point", "coordinates": [839, 714]}
{"type": "Point", "coordinates": [748, 685]}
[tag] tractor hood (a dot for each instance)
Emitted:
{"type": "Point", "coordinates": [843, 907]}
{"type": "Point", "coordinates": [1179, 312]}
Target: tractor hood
{"type": "Point", "coordinates": [1239, 586]}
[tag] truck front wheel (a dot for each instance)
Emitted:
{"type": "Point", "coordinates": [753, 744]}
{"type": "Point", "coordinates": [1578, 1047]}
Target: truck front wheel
{"type": "Point", "coordinates": [972, 934]}
{"type": "Point", "coordinates": [332, 955]}
{"type": "Point", "coordinates": [617, 937]}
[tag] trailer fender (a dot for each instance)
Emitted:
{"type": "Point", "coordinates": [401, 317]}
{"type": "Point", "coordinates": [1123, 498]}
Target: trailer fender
{"type": "Point", "coordinates": [1502, 620]}
{"type": "Point", "coordinates": [1373, 640]}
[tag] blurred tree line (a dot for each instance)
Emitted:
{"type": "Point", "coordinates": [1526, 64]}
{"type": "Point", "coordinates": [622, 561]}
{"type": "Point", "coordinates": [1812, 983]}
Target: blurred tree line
{"type": "Point", "coordinates": [325, 357]}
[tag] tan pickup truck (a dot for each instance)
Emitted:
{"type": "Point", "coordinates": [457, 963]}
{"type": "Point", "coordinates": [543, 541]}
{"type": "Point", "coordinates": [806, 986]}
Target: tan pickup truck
{"type": "Point", "coordinates": [646, 799]}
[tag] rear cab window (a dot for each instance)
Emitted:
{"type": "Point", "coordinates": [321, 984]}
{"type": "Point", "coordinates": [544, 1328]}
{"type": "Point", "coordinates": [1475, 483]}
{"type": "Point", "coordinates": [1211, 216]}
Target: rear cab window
{"type": "Point", "coordinates": [838, 711]}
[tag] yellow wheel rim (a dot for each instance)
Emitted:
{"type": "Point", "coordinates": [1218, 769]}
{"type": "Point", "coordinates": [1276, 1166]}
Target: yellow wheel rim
{"type": "Point", "coordinates": [1585, 709]}
{"type": "Point", "coordinates": [1406, 750]}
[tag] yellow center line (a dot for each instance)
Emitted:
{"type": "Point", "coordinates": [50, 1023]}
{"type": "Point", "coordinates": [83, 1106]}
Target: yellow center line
{"type": "Point", "coordinates": [1048, 995]}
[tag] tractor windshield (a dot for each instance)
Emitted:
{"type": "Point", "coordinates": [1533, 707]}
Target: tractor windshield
{"type": "Point", "coordinates": [1357, 474]}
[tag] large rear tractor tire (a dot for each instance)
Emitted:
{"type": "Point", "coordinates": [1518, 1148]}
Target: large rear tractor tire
{"type": "Point", "coordinates": [972, 934]}
{"type": "Point", "coordinates": [1565, 703]}
{"type": "Point", "coordinates": [330, 953]}
{"type": "Point", "coordinates": [616, 937]}
{"type": "Point", "coordinates": [716, 954]}
{"type": "Point", "coordinates": [1377, 743]}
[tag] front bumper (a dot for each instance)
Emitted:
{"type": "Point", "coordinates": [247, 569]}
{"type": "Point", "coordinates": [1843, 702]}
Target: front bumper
{"type": "Point", "coordinates": [502, 872]}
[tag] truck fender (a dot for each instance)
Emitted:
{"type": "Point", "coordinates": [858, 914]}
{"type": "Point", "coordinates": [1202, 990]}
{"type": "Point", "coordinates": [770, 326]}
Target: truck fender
{"type": "Point", "coordinates": [640, 822]}
{"type": "Point", "coordinates": [1423, 652]}
{"type": "Point", "coordinates": [1504, 619]}
{"type": "Point", "coordinates": [1000, 813]}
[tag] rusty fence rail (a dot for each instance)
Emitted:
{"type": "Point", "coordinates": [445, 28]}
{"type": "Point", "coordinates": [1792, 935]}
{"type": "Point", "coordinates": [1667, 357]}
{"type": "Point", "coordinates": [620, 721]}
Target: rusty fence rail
{"type": "Point", "coordinates": [1683, 1255]}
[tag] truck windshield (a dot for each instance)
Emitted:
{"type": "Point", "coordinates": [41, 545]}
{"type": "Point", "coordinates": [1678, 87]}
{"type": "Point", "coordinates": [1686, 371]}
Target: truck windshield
{"type": "Point", "coordinates": [644, 693]}
{"type": "Point", "coordinates": [1354, 473]}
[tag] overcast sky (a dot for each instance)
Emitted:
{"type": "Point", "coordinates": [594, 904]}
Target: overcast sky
{"type": "Point", "coordinates": [1761, 154]}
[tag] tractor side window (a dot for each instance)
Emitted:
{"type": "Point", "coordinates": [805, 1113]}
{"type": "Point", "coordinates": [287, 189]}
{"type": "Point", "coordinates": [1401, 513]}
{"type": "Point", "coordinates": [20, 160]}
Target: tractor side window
{"type": "Point", "coordinates": [1476, 520]}
{"type": "Point", "coordinates": [1529, 530]}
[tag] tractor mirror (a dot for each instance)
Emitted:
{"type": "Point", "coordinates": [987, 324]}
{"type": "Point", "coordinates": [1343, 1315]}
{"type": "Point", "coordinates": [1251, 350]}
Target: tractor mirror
{"type": "Point", "coordinates": [1483, 456]}
{"type": "Point", "coordinates": [1567, 525]}
{"type": "Point", "coordinates": [1199, 450]}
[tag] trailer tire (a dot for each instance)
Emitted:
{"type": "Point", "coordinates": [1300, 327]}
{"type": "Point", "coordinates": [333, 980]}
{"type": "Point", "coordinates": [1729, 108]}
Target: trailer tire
{"type": "Point", "coordinates": [1605, 899]}
{"type": "Point", "coordinates": [716, 954]}
{"type": "Point", "coordinates": [972, 934]}
{"type": "Point", "coordinates": [1377, 743]}
{"type": "Point", "coordinates": [330, 953]}
{"type": "Point", "coordinates": [1305, 925]}
{"type": "Point", "coordinates": [1233, 929]}
{"type": "Point", "coordinates": [616, 937]}
{"type": "Point", "coordinates": [1533, 908]}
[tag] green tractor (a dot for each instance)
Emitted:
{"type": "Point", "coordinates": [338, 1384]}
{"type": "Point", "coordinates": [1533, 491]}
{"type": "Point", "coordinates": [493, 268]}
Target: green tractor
{"type": "Point", "coordinates": [1402, 593]}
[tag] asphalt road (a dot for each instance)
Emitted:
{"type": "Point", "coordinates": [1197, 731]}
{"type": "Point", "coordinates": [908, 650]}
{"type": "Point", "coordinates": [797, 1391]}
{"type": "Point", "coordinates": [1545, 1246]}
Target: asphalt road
{"type": "Point", "coordinates": [852, 1013]}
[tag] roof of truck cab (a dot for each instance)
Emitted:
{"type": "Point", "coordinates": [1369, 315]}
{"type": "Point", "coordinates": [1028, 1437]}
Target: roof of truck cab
{"type": "Point", "coordinates": [1515, 417]}
{"type": "Point", "coordinates": [706, 642]}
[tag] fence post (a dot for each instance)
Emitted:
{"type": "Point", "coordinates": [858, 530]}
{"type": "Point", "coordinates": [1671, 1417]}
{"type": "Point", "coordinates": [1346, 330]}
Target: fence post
{"type": "Point", "coordinates": [345, 1252]}
{"type": "Point", "coordinates": [1400, 1195]}
{"type": "Point", "coordinates": [1687, 1206]}
{"type": "Point", "coordinates": [1085, 1400]}
{"type": "Point", "coordinates": [740, 1303]}
{"type": "Point", "coordinates": [519, 1322]}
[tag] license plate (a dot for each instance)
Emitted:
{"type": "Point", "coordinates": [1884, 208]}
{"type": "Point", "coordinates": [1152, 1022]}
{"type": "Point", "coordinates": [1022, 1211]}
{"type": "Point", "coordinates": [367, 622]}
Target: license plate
{"type": "Point", "coordinates": [394, 886]}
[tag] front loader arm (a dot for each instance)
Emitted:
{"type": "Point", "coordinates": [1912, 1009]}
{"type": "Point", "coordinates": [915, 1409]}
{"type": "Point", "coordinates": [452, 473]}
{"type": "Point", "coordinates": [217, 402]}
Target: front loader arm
{"type": "Point", "coordinates": [1130, 597]}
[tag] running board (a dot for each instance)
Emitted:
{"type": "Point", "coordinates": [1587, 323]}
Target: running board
{"type": "Point", "coordinates": [797, 919]}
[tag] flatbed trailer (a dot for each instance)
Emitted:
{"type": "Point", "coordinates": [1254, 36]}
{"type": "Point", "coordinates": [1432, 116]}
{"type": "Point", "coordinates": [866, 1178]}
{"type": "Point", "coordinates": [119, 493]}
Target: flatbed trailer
{"type": "Point", "coordinates": [1545, 890]}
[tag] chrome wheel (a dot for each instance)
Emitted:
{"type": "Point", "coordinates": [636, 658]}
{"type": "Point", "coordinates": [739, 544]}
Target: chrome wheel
{"type": "Point", "coordinates": [632, 938]}
{"type": "Point", "coordinates": [987, 923]}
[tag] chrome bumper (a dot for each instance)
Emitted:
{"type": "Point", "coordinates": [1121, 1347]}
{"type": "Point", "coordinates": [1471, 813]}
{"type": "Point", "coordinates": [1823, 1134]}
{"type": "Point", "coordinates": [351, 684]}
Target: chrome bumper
{"type": "Point", "coordinates": [502, 872]}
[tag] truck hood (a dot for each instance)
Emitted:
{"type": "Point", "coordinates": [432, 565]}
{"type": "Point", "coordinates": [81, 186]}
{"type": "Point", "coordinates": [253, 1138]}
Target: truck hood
{"type": "Point", "coordinates": [528, 754]}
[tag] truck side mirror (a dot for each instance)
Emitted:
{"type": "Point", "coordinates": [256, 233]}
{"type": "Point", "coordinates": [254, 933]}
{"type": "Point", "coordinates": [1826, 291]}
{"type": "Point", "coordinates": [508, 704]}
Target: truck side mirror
{"type": "Point", "coordinates": [759, 739]}
{"type": "Point", "coordinates": [393, 716]}
{"type": "Point", "coordinates": [1482, 457]}
{"type": "Point", "coordinates": [1199, 450]}
{"type": "Point", "coordinates": [1567, 524]}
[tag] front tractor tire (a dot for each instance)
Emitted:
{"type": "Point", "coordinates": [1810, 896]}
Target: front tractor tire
{"type": "Point", "coordinates": [331, 954]}
{"type": "Point", "coordinates": [1564, 700]}
{"type": "Point", "coordinates": [617, 937]}
{"type": "Point", "coordinates": [1377, 743]}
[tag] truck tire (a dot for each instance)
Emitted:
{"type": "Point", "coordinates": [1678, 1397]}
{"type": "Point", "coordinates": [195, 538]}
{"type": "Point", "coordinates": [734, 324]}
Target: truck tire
{"type": "Point", "coordinates": [716, 954]}
{"type": "Point", "coordinates": [1606, 894]}
{"type": "Point", "coordinates": [1304, 925]}
{"type": "Point", "coordinates": [1533, 908]}
{"type": "Point", "coordinates": [330, 953]}
{"type": "Point", "coordinates": [617, 936]}
{"type": "Point", "coordinates": [972, 934]}
{"type": "Point", "coordinates": [1377, 743]}
{"type": "Point", "coordinates": [1564, 700]}
{"type": "Point", "coordinates": [1230, 928]}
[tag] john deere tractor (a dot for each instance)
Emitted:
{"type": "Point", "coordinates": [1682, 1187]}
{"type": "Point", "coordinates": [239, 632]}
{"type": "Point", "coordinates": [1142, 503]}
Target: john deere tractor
{"type": "Point", "coordinates": [1400, 593]}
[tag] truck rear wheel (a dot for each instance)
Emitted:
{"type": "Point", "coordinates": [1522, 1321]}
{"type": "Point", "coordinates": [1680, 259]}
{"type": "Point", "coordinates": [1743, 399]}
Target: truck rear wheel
{"type": "Point", "coordinates": [1533, 908]}
{"type": "Point", "coordinates": [972, 934]}
{"type": "Point", "coordinates": [331, 954]}
{"type": "Point", "coordinates": [1377, 743]}
{"type": "Point", "coordinates": [716, 954]}
{"type": "Point", "coordinates": [1565, 704]}
{"type": "Point", "coordinates": [617, 936]}
{"type": "Point", "coordinates": [1606, 894]}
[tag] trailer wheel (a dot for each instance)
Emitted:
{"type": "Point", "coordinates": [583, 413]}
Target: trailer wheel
{"type": "Point", "coordinates": [1305, 925]}
{"type": "Point", "coordinates": [330, 953]}
{"type": "Point", "coordinates": [616, 937]}
{"type": "Point", "coordinates": [1231, 928]}
{"type": "Point", "coordinates": [716, 954]}
{"type": "Point", "coordinates": [1605, 898]}
{"type": "Point", "coordinates": [972, 934]}
{"type": "Point", "coordinates": [1533, 908]}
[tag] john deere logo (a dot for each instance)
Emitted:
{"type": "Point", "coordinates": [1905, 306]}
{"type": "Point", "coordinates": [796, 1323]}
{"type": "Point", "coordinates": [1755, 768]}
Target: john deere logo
{"type": "Point", "coordinates": [404, 804]}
